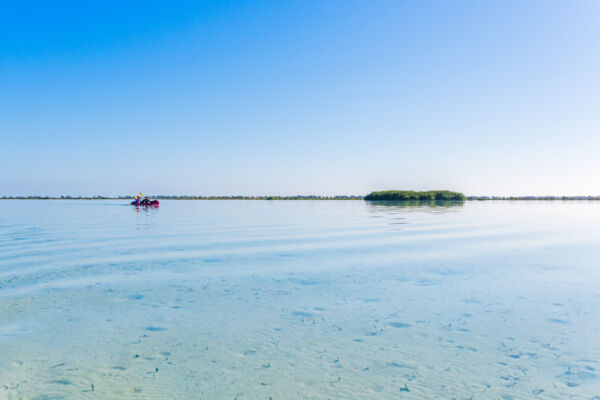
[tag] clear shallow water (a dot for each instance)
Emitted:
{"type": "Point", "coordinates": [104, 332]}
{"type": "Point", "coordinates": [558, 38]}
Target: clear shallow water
{"type": "Point", "coordinates": [299, 299]}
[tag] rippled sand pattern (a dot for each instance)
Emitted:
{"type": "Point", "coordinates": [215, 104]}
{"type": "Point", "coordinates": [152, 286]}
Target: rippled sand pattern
{"type": "Point", "coordinates": [299, 300]}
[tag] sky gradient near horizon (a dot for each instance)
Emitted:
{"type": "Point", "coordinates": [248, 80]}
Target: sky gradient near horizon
{"type": "Point", "coordinates": [299, 97]}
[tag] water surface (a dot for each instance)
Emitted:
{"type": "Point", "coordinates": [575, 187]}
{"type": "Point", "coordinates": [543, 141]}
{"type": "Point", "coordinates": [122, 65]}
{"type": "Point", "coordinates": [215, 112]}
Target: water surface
{"type": "Point", "coordinates": [299, 299]}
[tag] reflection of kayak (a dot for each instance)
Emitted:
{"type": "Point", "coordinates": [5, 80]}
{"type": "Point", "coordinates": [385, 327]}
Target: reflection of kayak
{"type": "Point", "coordinates": [148, 203]}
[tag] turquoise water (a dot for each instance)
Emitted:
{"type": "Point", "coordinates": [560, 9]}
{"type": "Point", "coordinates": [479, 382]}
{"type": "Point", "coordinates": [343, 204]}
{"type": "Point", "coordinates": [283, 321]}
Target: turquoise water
{"type": "Point", "coordinates": [299, 299]}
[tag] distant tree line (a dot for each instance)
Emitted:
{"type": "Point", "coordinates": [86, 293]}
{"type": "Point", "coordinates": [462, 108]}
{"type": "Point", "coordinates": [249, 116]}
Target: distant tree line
{"type": "Point", "coordinates": [402, 195]}
{"type": "Point", "coordinates": [533, 197]}
{"type": "Point", "coordinates": [296, 197]}
{"type": "Point", "coordinates": [63, 197]}
{"type": "Point", "coordinates": [188, 197]}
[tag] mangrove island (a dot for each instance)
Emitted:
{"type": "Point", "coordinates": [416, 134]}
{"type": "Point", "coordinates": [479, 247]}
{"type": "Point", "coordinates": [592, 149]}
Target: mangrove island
{"type": "Point", "coordinates": [395, 195]}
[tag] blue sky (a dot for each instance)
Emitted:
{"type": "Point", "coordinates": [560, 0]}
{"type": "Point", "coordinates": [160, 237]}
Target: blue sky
{"type": "Point", "coordinates": [299, 97]}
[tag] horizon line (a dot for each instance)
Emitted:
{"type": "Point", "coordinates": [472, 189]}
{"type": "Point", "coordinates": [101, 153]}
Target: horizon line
{"type": "Point", "coordinates": [290, 197]}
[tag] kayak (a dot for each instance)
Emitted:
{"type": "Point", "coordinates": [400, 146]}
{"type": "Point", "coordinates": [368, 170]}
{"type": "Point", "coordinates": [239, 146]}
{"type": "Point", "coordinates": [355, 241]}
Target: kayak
{"type": "Point", "coordinates": [150, 203]}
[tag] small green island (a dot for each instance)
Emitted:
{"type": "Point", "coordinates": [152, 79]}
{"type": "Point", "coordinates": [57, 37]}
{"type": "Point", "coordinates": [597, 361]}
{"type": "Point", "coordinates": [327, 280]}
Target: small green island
{"type": "Point", "coordinates": [401, 195]}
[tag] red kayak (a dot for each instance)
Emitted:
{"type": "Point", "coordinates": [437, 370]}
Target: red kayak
{"type": "Point", "coordinates": [145, 203]}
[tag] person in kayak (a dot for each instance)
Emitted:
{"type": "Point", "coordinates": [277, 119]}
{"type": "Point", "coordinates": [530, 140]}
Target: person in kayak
{"type": "Point", "coordinates": [141, 200]}
{"type": "Point", "coordinates": [145, 200]}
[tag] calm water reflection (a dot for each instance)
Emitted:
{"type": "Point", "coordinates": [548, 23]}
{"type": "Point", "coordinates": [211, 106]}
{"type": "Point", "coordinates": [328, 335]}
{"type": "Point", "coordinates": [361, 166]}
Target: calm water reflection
{"type": "Point", "coordinates": [299, 299]}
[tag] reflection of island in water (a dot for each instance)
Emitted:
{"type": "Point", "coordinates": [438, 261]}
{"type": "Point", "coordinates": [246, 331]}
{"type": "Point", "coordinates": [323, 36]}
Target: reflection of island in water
{"type": "Point", "coordinates": [390, 202]}
{"type": "Point", "coordinates": [420, 206]}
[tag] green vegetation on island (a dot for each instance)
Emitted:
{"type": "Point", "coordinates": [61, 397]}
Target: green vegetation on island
{"type": "Point", "coordinates": [402, 195]}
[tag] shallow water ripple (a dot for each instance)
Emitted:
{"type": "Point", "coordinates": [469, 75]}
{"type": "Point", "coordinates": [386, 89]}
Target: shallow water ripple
{"type": "Point", "coordinates": [299, 299]}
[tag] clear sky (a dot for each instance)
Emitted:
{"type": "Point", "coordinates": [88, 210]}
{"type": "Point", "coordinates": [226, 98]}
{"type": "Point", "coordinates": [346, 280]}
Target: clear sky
{"type": "Point", "coordinates": [299, 97]}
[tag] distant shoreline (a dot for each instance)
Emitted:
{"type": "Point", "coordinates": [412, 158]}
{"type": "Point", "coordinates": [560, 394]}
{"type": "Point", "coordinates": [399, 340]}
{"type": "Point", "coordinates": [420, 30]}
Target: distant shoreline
{"type": "Point", "coordinates": [341, 197]}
